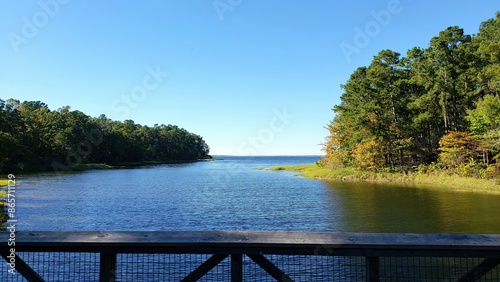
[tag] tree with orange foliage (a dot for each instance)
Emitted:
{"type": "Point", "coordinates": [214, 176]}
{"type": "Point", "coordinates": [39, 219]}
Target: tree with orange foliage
{"type": "Point", "coordinates": [456, 148]}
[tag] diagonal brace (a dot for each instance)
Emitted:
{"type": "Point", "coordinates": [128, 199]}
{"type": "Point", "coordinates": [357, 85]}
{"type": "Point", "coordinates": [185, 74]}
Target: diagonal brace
{"type": "Point", "coordinates": [270, 268]}
{"type": "Point", "coordinates": [24, 269]}
{"type": "Point", "coordinates": [204, 268]}
{"type": "Point", "coordinates": [480, 270]}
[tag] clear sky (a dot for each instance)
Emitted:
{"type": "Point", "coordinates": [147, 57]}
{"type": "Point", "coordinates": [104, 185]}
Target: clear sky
{"type": "Point", "coordinates": [252, 77]}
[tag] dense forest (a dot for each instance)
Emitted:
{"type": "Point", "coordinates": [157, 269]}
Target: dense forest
{"type": "Point", "coordinates": [436, 108]}
{"type": "Point", "coordinates": [32, 137]}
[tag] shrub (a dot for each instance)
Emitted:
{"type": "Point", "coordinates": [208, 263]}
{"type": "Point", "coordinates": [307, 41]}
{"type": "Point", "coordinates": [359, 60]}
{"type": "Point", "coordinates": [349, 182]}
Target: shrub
{"type": "Point", "coordinates": [455, 149]}
{"type": "Point", "coordinates": [490, 172]}
{"type": "Point", "coordinates": [368, 155]}
{"type": "Point", "coordinates": [469, 169]}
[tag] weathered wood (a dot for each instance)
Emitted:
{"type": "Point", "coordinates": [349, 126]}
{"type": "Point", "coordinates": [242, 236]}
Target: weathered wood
{"type": "Point", "coordinates": [270, 268]}
{"type": "Point", "coordinates": [230, 242]}
{"type": "Point", "coordinates": [372, 269]}
{"type": "Point", "coordinates": [24, 269]}
{"type": "Point", "coordinates": [204, 268]}
{"type": "Point", "coordinates": [480, 270]}
{"type": "Point", "coordinates": [254, 245]}
{"type": "Point", "coordinates": [236, 268]}
{"type": "Point", "coordinates": [107, 272]}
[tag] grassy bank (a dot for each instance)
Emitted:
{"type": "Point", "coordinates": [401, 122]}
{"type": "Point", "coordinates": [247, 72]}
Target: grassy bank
{"type": "Point", "coordinates": [91, 166]}
{"type": "Point", "coordinates": [436, 179]}
{"type": "Point", "coordinates": [131, 164]}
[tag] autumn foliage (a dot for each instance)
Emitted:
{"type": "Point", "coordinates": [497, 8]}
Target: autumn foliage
{"type": "Point", "coordinates": [456, 148]}
{"type": "Point", "coordinates": [439, 105]}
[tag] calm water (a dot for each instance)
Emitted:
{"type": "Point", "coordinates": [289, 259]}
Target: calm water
{"type": "Point", "coordinates": [232, 195]}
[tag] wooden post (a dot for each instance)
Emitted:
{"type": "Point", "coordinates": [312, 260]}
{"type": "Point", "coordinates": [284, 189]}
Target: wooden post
{"type": "Point", "coordinates": [255, 245]}
{"type": "Point", "coordinates": [107, 268]}
{"type": "Point", "coordinates": [236, 268]}
{"type": "Point", "coordinates": [372, 269]}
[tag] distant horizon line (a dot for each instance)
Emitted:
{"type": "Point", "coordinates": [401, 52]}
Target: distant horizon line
{"type": "Point", "coordinates": [225, 155]}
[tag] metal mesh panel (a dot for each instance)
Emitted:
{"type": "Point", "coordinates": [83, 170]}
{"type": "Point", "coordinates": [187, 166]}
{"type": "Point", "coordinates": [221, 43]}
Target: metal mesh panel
{"type": "Point", "coordinates": [167, 267]}
{"type": "Point", "coordinates": [493, 275]}
{"type": "Point", "coordinates": [308, 268]}
{"type": "Point", "coordinates": [57, 266]}
{"type": "Point", "coordinates": [174, 267]}
{"type": "Point", "coordinates": [431, 269]}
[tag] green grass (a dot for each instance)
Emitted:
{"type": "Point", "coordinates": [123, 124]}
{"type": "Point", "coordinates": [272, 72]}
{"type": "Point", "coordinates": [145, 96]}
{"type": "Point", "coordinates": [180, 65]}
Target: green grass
{"type": "Point", "coordinates": [3, 194]}
{"type": "Point", "coordinates": [316, 172]}
{"type": "Point", "coordinates": [81, 167]}
{"type": "Point", "coordinates": [434, 180]}
{"type": "Point", "coordinates": [91, 166]}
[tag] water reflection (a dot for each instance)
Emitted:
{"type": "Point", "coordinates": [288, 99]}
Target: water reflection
{"type": "Point", "coordinates": [231, 195]}
{"type": "Point", "coordinates": [372, 207]}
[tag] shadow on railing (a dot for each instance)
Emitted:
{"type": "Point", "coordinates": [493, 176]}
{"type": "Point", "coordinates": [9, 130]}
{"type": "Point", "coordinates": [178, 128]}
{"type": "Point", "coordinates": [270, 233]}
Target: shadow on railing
{"type": "Point", "coordinates": [244, 256]}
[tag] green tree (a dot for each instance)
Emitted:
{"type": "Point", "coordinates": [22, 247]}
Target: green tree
{"type": "Point", "coordinates": [449, 55]}
{"type": "Point", "coordinates": [32, 137]}
{"type": "Point", "coordinates": [487, 43]}
{"type": "Point", "coordinates": [485, 125]}
{"type": "Point", "coordinates": [11, 128]}
{"type": "Point", "coordinates": [387, 77]}
{"type": "Point", "coordinates": [425, 114]}
{"type": "Point", "coordinates": [486, 115]}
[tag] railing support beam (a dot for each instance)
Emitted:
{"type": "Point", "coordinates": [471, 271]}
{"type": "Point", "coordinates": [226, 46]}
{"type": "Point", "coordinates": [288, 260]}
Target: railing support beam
{"type": "Point", "coordinates": [204, 268]}
{"type": "Point", "coordinates": [480, 270]}
{"type": "Point", "coordinates": [236, 268]}
{"type": "Point", "coordinates": [270, 268]}
{"type": "Point", "coordinates": [372, 269]}
{"type": "Point", "coordinates": [24, 269]}
{"type": "Point", "coordinates": [107, 271]}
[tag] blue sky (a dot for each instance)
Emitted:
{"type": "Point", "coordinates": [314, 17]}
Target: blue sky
{"type": "Point", "coordinates": [252, 77]}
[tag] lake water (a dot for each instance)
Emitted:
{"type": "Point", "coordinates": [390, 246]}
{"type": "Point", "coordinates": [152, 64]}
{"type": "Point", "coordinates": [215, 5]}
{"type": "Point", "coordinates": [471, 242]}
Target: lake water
{"type": "Point", "coordinates": [231, 195]}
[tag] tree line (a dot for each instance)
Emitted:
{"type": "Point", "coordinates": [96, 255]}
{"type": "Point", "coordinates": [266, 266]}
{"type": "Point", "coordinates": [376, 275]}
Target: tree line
{"type": "Point", "coordinates": [436, 106]}
{"type": "Point", "coordinates": [33, 137]}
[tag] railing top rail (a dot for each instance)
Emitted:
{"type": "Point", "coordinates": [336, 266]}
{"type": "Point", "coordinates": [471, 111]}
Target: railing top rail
{"type": "Point", "coordinates": [250, 241]}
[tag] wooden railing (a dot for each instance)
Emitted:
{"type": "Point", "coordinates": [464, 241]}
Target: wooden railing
{"type": "Point", "coordinates": [255, 247]}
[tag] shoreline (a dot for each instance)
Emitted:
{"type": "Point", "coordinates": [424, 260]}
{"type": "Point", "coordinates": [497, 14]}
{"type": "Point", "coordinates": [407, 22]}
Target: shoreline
{"type": "Point", "coordinates": [3, 194]}
{"type": "Point", "coordinates": [438, 180]}
{"type": "Point", "coordinates": [91, 166]}
{"type": "Point", "coordinates": [103, 166]}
